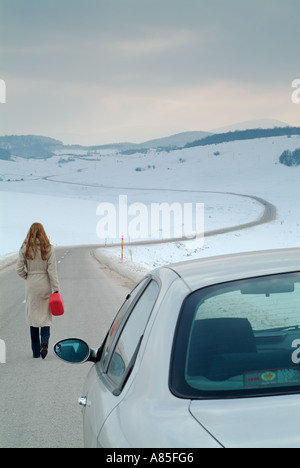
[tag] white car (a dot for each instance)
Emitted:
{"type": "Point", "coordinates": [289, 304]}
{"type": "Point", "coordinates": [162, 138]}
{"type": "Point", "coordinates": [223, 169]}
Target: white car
{"type": "Point", "coordinates": [201, 354]}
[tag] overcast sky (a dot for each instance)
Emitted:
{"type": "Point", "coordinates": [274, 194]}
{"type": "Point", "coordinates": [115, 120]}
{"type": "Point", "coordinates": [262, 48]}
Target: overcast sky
{"type": "Point", "coordinates": [100, 71]}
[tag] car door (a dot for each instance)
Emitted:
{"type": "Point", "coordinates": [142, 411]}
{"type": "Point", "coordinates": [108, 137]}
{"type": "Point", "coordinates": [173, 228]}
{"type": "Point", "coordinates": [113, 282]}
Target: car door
{"type": "Point", "coordinates": [108, 379]}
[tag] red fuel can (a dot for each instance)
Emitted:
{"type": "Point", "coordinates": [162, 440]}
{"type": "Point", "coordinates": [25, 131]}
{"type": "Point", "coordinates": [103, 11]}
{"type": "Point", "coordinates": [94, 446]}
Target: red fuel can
{"type": "Point", "coordinates": [56, 304]}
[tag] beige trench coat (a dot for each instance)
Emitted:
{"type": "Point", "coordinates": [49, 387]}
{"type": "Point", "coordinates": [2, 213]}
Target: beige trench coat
{"type": "Point", "coordinates": [41, 280]}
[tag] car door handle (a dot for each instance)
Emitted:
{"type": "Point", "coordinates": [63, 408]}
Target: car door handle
{"type": "Point", "coordinates": [82, 401]}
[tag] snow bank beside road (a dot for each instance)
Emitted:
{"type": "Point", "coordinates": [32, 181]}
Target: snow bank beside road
{"type": "Point", "coordinates": [133, 271]}
{"type": "Point", "coordinates": [8, 260]}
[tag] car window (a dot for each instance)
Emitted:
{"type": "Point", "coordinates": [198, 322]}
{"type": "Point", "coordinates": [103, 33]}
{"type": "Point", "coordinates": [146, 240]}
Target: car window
{"type": "Point", "coordinates": [119, 320]}
{"type": "Point", "coordinates": [128, 344]}
{"type": "Point", "coordinates": [239, 338]}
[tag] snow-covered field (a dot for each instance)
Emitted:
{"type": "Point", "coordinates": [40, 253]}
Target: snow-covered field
{"type": "Point", "coordinates": [64, 195]}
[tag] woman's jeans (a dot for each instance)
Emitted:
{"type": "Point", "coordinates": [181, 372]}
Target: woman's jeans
{"type": "Point", "coordinates": [35, 339]}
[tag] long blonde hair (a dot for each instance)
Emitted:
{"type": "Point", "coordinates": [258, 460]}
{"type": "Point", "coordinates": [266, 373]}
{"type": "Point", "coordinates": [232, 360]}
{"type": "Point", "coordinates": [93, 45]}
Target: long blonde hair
{"type": "Point", "coordinates": [36, 239]}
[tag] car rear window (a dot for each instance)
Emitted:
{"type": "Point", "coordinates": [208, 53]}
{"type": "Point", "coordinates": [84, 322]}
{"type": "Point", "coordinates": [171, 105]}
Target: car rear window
{"type": "Point", "coordinates": [239, 339]}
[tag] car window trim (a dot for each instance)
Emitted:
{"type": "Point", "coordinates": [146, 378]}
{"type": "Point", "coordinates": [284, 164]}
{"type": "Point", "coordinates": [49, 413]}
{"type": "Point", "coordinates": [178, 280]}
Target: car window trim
{"type": "Point", "coordinates": [102, 370]}
{"type": "Point", "coordinates": [124, 321]}
{"type": "Point", "coordinates": [118, 390]}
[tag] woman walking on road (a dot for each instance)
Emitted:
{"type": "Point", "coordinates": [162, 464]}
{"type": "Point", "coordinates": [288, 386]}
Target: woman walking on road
{"type": "Point", "coordinates": [37, 265]}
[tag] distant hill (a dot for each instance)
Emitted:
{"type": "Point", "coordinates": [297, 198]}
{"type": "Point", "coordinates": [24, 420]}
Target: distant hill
{"type": "Point", "coordinates": [180, 139]}
{"type": "Point", "coordinates": [28, 146]}
{"type": "Point", "coordinates": [251, 124]}
{"type": "Point", "coordinates": [41, 147]}
{"type": "Point", "coordinates": [169, 143]}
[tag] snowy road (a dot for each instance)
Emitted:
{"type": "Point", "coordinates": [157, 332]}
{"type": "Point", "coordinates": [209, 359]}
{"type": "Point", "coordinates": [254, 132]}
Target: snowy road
{"type": "Point", "coordinates": [38, 399]}
{"type": "Point", "coordinates": [268, 215]}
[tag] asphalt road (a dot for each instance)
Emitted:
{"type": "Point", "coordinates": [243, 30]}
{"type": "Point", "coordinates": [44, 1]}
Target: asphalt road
{"type": "Point", "coordinates": [38, 399]}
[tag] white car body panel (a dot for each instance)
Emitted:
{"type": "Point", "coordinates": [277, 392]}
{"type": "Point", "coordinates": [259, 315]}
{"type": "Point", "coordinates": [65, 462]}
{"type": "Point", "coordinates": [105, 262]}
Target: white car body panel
{"type": "Point", "coordinates": [272, 421]}
{"type": "Point", "coordinates": [143, 424]}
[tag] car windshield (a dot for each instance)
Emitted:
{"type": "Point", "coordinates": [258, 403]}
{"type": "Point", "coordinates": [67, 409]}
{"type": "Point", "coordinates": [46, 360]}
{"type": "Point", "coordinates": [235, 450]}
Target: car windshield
{"type": "Point", "coordinates": [239, 339]}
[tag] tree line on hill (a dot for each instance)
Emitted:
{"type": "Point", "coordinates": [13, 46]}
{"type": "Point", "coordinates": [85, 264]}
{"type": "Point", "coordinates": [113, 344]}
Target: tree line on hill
{"type": "Point", "coordinates": [251, 134]}
{"type": "Point", "coordinates": [5, 154]}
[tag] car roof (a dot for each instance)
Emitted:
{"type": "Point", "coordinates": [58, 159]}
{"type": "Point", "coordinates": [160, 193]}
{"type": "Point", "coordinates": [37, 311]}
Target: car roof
{"type": "Point", "coordinates": [214, 270]}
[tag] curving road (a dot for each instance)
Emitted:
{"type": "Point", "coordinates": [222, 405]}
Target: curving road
{"type": "Point", "coordinates": [269, 210]}
{"type": "Point", "coordinates": [269, 214]}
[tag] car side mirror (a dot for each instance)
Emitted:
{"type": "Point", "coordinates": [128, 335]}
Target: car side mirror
{"type": "Point", "coordinates": [73, 350]}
